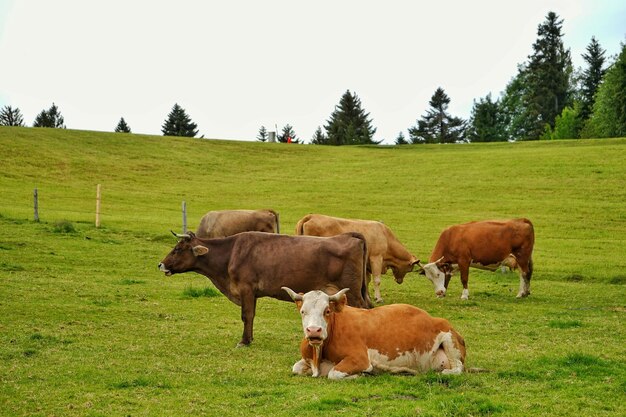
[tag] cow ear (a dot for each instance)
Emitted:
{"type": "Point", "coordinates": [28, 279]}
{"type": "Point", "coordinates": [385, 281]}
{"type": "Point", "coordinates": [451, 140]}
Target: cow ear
{"type": "Point", "coordinates": [200, 250]}
{"type": "Point", "coordinates": [338, 305]}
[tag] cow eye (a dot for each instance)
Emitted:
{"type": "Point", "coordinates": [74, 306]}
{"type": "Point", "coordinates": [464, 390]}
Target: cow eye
{"type": "Point", "coordinates": [327, 312]}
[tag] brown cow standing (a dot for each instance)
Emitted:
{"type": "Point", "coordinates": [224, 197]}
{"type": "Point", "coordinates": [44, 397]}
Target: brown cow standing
{"type": "Point", "coordinates": [484, 245]}
{"type": "Point", "coordinates": [222, 223]}
{"type": "Point", "coordinates": [342, 341]}
{"type": "Point", "coordinates": [384, 249]}
{"type": "Point", "coordinates": [250, 265]}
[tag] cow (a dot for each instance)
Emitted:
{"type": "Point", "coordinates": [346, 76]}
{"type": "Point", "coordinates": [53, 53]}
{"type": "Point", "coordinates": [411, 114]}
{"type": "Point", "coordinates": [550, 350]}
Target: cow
{"type": "Point", "coordinates": [250, 265]}
{"type": "Point", "coordinates": [222, 223]}
{"type": "Point", "coordinates": [384, 249]}
{"type": "Point", "coordinates": [342, 341]}
{"type": "Point", "coordinates": [485, 245]}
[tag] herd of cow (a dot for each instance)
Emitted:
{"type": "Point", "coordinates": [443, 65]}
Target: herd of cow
{"type": "Point", "coordinates": [326, 268]}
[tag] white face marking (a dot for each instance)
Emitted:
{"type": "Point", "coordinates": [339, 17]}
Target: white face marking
{"type": "Point", "coordinates": [436, 277]}
{"type": "Point", "coordinates": [315, 305]}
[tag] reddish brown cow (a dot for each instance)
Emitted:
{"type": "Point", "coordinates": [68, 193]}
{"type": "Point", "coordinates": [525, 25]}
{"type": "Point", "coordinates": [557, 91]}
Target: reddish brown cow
{"type": "Point", "coordinates": [222, 223]}
{"type": "Point", "coordinates": [485, 245]}
{"type": "Point", "coordinates": [250, 265]}
{"type": "Point", "coordinates": [384, 249]}
{"type": "Point", "coordinates": [341, 341]}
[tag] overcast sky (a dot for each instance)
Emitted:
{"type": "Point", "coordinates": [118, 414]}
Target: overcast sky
{"type": "Point", "coordinates": [236, 65]}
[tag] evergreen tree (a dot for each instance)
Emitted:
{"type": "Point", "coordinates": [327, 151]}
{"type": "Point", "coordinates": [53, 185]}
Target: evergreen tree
{"type": "Point", "coordinates": [401, 140]}
{"type": "Point", "coordinates": [319, 138]}
{"type": "Point", "coordinates": [349, 124]}
{"type": "Point", "coordinates": [50, 118]}
{"type": "Point", "coordinates": [549, 71]}
{"type": "Point", "coordinates": [437, 126]}
{"type": "Point", "coordinates": [262, 136]}
{"type": "Point", "coordinates": [179, 124]}
{"type": "Point", "coordinates": [516, 116]}
{"type": "Point", "coordinates": [288, 135]}
{"type": "Point", "coordinates": [122, 127]}
{"type": "Point", "coordinates": [591, 77]}
{"type": "Point", "coordinates": [487, 122]}
{"type": "Point", "coordinates": [11, 117]}
{"type": "Point", "coordinates": [608, 119]}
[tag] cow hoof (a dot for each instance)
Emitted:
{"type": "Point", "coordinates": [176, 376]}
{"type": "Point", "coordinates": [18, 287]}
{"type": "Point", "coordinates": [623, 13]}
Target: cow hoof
{"type": "Point", "coordinates": [242, 344]}
{"type": "Point", "coordinates": [523, 294]}
{"type": "Point", "coordinates": [380, 301]}
{"type": "Point", "coordinates": [465, 297]}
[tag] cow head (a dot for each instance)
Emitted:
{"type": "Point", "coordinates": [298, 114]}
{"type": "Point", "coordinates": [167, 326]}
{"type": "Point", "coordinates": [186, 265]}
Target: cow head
{"type": "Point", "coordinates": [316, 309]}
{"type": "Point", "coordinates": [400, 270]}
{"type": "Point", "coordinates": [183, 257]}
{"type": "Point", "coordinates": [438, 273]}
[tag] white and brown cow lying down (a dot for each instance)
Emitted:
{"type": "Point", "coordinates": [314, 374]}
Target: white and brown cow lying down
{"type": "Point", "coordinates": [342, 341]}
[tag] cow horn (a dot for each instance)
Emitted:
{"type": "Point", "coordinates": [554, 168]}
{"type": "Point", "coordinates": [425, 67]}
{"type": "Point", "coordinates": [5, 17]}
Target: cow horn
{"type": "Point", "coordinates": [336, 297]}
{"type": "Point", "coordinates": [439, 260]}
{"type": "Point", "coordinates": [294, 296]}
{"type": "Point", "coordinates": [179, 236]}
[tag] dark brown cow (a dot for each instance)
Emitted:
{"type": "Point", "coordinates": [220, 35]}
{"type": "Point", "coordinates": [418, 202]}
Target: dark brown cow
{"type": "Point", "coordinates": [222, 223]}
{"type": "Point", "coordinates": [342, 342]}
{"type": "Point", "coordinates": [485, 245]}
{"type": "Point", "coordinates": [250, 265]}
{"type": "Point", "coordinates": [384, 249]}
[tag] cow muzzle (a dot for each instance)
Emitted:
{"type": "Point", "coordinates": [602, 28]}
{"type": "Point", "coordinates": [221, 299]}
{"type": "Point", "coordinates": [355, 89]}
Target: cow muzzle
{"type": "Point", "coordinates": [315, 336]}
{"type": "Point", "coordinates": [440, 293]}
{"type": "Point", "coordinates": [162, 268]}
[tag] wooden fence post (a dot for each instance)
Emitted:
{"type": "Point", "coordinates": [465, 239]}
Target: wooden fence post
{"type": "Point", "coordinates": [98, 198]}
{"type": "Point", "coordinates": [184, 217]}
{"type": "Point", "coordinates": [36, 198]}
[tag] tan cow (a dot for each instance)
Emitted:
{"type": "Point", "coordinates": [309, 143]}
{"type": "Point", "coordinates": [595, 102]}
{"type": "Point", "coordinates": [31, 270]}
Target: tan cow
{"type": "Point", "coordinates": [384, 249]}
{"type": "Point", "coordinates": [342, 341]}
{"type": "Point", "coordinates": [223, 223]}
{"type": "Point", "coordinates": [484, 245]}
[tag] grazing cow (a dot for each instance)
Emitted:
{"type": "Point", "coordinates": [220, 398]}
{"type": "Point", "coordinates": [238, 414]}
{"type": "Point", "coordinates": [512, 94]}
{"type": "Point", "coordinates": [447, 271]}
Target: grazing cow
{"type": "Point", "coordinates": [384, 249]}
{"type": "Point", "coordinates": [484, 245]}
{"type": "Point", "coordinates": [342, 341]}
{"type": "Point", "coordinates": [250, 265]}
{"type": "Point", "coordinates": [222, 223]}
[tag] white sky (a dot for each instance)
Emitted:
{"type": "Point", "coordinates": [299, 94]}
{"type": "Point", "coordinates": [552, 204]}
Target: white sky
{"type": "Point", "coordinates": [235, 65]}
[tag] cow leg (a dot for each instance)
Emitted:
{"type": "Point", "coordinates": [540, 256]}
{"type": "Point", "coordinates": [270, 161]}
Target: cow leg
{"type": "Point", "coordinates": [453, 354]}
{"type": "Point", "coordinates": [525, 273]}
{"type": "Point", "coordinates": [248, 309]}
{"type": "Point", "coordinates": [464, 270]}
{"type": "Point", "coordinates": [351, 367]}
{"type": "Point", "coordinates": [377, 267]}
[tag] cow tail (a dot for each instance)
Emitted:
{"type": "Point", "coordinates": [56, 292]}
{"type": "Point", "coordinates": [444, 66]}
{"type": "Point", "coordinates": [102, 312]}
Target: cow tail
{"type": "Point", "coordinates": [300, 225]}
{"type": "Point", "coordinates": [364, 291]}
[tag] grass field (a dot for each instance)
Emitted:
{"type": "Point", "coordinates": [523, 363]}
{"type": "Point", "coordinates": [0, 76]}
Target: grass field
{"type": "Point", "coordinates": [90, 327]}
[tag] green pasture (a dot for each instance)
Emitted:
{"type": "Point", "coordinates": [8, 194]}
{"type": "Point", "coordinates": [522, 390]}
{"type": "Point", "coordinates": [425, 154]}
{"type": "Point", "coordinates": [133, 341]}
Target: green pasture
{"type": "Point", "coordinates": [90, 327]}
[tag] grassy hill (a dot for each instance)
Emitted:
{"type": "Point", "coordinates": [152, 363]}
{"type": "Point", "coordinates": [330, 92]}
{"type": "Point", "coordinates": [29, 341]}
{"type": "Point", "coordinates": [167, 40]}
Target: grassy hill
{"type": "Point", "coordinates": [88, 326]}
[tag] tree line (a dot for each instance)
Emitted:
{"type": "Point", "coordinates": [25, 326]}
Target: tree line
{"type": "Point", "coordinates": [546, 99]}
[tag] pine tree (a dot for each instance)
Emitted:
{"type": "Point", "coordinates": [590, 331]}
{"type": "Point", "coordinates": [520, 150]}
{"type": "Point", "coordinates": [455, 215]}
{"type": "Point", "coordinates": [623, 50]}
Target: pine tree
{"type": "Point", "coordinates": [50, 118]}
{"type": "Point", "coordinates": [608, 119]}
{"type": "Point", "coordinates": [288, 135]}
{"type": "Point", "coordinates": [179, 124]}
{"type": "Point", "coordinates": [11, 117]}
{"type": "Point", "coordinates": [437, 126]}
{"type": "Point", "coordinates": [349, 124]}
{"type": "Point", "coordinates": [122, 127]}
{"type": "Point", "coordinates": [262, 136]}
{"type": "Point", "coordinates": [591, 77]}
{"type": "Point", "coordinates": [401, 140]}
{"type": "Point", "coordinates": [319, 138]}
{"type": "Point", "coordinates": [517, 117]}
{"type": "Point", "coordinates": [486, 122]}
{"type": "Point", "coordinates": [549, 71]}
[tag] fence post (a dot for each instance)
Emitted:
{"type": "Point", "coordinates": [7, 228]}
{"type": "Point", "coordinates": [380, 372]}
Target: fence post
{"type": "Point", "coordinates": [184, 217]}
{"type": "Point", "coordinates": [98, 197]}
{"type": "Point", "coordinates": [36, 198]}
